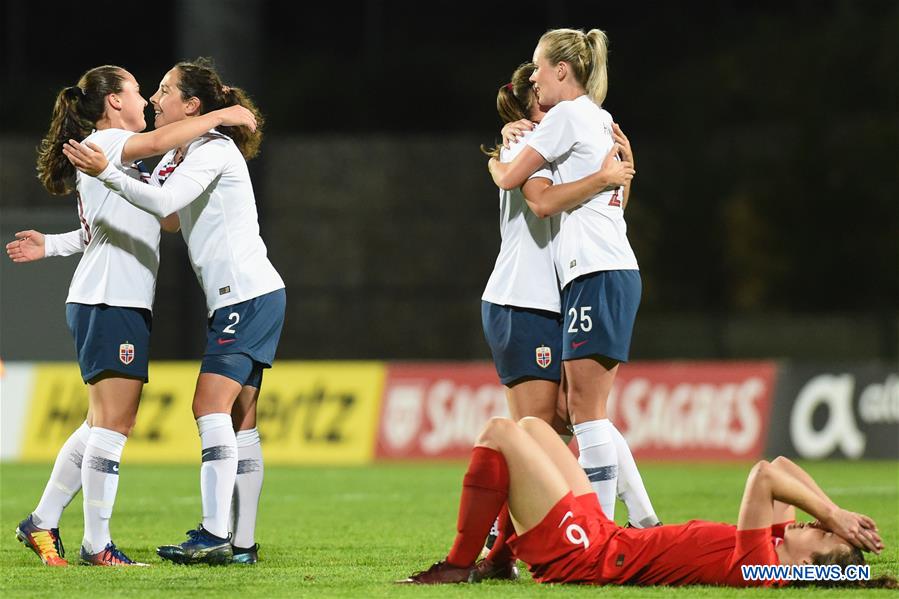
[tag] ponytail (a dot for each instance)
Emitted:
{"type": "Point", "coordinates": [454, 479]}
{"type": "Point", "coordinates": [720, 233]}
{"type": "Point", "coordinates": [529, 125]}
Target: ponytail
{"type": "Point", "coordinates": [598, 80]}
{"type": "Point", "coordinates": [75, 114]}
{"type": "Point", "coordinates": [514, 101]}
{"type": "Point", "coordinates": [586, 55]}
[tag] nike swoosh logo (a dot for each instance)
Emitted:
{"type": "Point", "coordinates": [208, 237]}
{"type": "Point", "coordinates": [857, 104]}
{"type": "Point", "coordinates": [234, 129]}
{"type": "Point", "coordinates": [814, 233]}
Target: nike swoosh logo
{"type": "Point", "coordinates": [115, 468]}
{"type": "Point", "coordinates": [577, 344]}
{"type": "Point", "coordinates": [226, 341]}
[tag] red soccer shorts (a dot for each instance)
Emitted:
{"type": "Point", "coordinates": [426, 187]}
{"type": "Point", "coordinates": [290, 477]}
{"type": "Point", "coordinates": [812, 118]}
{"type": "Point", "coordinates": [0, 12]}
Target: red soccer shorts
{"type": "Point", "coordinates": [568, 544]}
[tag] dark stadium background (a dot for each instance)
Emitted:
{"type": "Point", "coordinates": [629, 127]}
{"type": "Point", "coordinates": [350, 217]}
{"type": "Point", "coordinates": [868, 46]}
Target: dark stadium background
{"type": "Point", "coordinates": [765, 212]}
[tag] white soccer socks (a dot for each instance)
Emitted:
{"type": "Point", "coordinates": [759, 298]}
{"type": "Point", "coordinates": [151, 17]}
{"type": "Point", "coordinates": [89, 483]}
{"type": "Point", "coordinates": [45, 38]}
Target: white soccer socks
{"type": "Point", "coordinates": [65, 479]}
{"type": "Point", "coordinates": [218, 471]}
{"type": "Point", "coordinates": [599, 459]}
{"type": "Point", "coordinates": [247, 489]}
{"type": "Point", "coordinates": [100, 481]}
{"type": "Point", "coordinates": [630, 485]}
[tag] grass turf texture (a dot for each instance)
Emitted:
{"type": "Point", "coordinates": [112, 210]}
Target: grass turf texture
{"type": "Point", "coordinates": [349, 532]}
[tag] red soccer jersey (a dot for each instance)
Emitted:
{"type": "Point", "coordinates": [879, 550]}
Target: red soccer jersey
{"type": "Point", "coordinates": [696, 552]}
{"type": "Point", "coordinates": [576, 543]}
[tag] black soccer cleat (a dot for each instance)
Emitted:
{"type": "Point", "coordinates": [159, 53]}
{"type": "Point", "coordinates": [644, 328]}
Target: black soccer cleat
{"type": "Point", "coordinates": [245, 555]}
{"type": "Point", "coordinates": [201, 547]}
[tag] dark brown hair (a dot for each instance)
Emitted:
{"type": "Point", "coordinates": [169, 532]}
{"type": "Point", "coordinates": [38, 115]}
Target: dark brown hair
{"type": "Point", "coordinates": [199, 79]}
{"type": "Point", "coordinates": [841, 557]}
{"type": "Point", "coordinates": [514, 100]}
{"type": "Point", "coordinates": [75, 114]}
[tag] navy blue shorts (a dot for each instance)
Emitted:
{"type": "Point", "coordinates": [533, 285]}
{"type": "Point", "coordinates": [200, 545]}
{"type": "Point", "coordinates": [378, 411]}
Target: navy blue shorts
{"type": "Point", "coordinates": [600, 309]}
{"type": "Point", "coordinates": [110, 338]}
{"type": "Point", "coordinates": [251, 328]}
{"type": "Point", "coordinates": [525, 342]}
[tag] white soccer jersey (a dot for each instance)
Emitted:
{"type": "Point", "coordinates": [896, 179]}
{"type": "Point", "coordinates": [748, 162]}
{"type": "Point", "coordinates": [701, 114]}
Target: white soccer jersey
{"type": "Point", "coordinates": [121, 242]}
{"type": "Point", "coordinates": [210, 189]}
{"type": "Point", "coordinates": [524, 275]}
{"type": "Point", "coordinates": [574, 137]}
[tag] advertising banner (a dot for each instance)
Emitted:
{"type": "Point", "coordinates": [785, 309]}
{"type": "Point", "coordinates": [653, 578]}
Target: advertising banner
{"type": "Point", "coordinates": [437, 410]}
{"type": "Point", "coordinates": [694, 410]}
{"type": "Point", "coordinates": [307, 413]}
{"type": "Point", "coordinates": [354, 412]}
{"type": "Point", "coordinates": [665, 410]}
{"type": "Point", "coordinates": [320, 412]}
{"type": "Point", "coordinates": [836, 412]}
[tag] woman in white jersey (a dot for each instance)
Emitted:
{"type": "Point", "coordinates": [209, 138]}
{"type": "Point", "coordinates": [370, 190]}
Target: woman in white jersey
{"type": "Point", "coordinates": [108, 308]}
{"type": "Point", "coordinates": [596, 266]}
{"type": "Point", "coordinates": [206, 182]}
{"type": "Point", "coordinates": [520, 307]}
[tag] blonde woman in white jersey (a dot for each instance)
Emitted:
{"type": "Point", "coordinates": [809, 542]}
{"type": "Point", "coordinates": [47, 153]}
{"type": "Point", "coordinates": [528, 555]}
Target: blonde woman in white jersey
{"type": "Point", "coordinates": [110, 299]}
{"type": "Point", "coordinates": [206, 182]}
{"type": "Point", "coordinates": [596, 266]}
{"type": "Point", "coordinates": [520, 306]}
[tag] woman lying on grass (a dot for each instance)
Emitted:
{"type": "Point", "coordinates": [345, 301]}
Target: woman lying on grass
{"type": "Point", "coordinates": [563, 536]}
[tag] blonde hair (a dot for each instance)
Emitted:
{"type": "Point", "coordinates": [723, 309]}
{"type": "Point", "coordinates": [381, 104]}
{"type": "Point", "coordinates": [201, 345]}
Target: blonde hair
{"type": "Point", "coordinates": [585, 53]}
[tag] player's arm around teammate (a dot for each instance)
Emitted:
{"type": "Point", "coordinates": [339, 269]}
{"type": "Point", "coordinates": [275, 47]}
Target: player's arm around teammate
{"type": "Point", "coordinates": [520, 305]}
{"type": "Point", "coordinates": [245, 299]}
{"type": "Point", "coordinates": [522, 293]}
{"type": "Point", "coordinates": [110, 322]}
{"type": "Point", "coordinates": [596, 266]}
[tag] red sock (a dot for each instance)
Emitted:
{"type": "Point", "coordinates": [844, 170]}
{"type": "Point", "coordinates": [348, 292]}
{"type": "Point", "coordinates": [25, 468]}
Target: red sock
{"type": "Point", "coordinates": [485, 489]}
{"type": "Point", "coordinates": [500, 552]}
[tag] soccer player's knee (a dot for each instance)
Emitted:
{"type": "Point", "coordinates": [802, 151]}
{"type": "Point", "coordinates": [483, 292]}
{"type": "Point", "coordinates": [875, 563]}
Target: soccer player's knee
{"type": "Point", "coordinates": [780, 461]}
{"type": "Point", "coordinates": [761, 470]}
{"type": "Point", "coordinates": [495, 431]}
{"type": "Point", "coordinates": [532, 424]}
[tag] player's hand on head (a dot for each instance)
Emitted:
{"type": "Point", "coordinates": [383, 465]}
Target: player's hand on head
{"type": "Point", "coordinates": [621, 139]}
{"type": "Point", "coordinates": [617, 172]}
{"type": "Point", "coordinates": [858, 529]}
{"type": "Point", "coordinates": [27, 247]}
{"type": "Point", "coordinates": [86, 157]}
{"type": "Point", "coordinates": [238, 116]}
{"type": "Point", "coordinates": [513, 131]}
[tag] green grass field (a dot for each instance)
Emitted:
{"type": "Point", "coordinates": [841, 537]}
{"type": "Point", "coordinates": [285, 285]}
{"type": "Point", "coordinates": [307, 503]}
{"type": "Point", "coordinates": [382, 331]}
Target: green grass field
{"type": "Point", "coordinates": [349, 532]}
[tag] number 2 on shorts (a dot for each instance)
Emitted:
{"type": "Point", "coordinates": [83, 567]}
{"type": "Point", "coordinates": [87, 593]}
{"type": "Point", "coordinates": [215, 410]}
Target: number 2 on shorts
{"type": "Point", "coordinates": [230, 328]}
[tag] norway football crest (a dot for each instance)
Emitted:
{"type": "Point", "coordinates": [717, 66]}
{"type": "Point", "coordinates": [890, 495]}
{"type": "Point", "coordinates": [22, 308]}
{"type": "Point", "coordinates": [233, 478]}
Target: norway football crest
{"type": "Point", "coordinates": [126, 353]}
{"type": "Point", "coordinates": [544, 356]}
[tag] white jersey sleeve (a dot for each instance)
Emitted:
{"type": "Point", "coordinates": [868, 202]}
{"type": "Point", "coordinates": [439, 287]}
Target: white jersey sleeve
{"type": "Point", "coordinates": [555, 135]}
{"type": "Point", "coordinates": [182, 188]}
{"type": "Point", "coordinates": [64, 244]}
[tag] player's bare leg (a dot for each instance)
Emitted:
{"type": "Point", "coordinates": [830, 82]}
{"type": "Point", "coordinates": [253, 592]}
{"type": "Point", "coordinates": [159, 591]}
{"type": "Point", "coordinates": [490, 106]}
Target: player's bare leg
{"type": "Point", "coordinates": [506, 465]}
{"type": "Point", "coordinates": [214, 398]}
{"type": "Point", "coordinates": [533, 397]}
{"type": "Point", "coordinates": [40, 530]}
{"type": "Point", "coordinates": [210, 542]}
{"type": "Point", "coordinates": [559, 453]}
{"type": "Point", "coordinates": [114, 399]}
{"type": "Point", "coordinates": [605, 455]}
{"type": "Point", "coordinates": [536, 398]}
{"type": "Point", "coordinates": [589, 384]}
